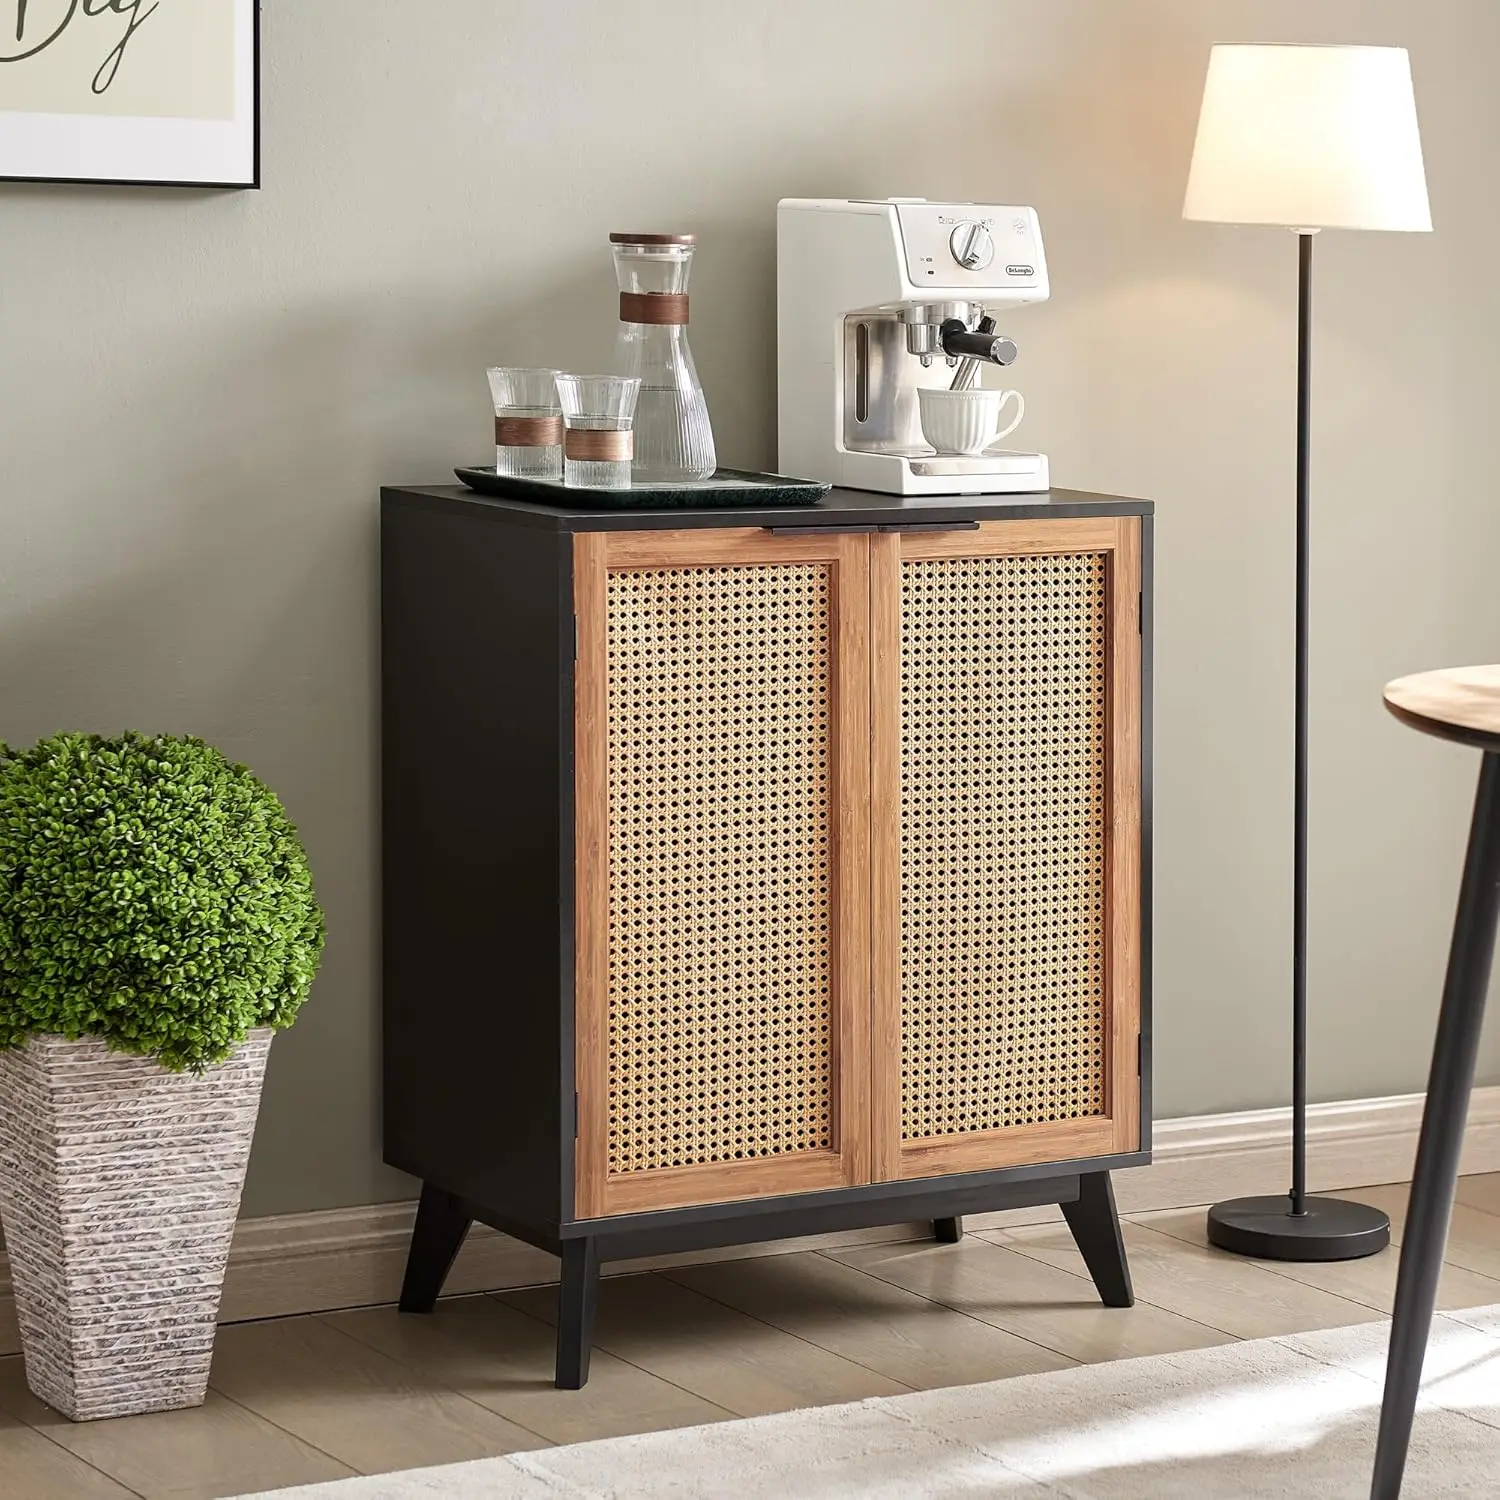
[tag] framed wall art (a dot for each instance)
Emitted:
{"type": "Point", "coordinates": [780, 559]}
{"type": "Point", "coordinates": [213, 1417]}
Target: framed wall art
{"type": "Point", "coordinates": [165, 92]}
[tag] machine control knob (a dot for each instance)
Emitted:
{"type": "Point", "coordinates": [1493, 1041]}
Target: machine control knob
{"type": "Point", "coordinates": [972, 245]}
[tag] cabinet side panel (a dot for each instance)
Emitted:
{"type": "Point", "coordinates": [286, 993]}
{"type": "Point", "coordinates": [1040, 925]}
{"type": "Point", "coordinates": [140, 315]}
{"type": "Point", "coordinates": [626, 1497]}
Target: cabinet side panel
{"type": "Point", "coordinates": [1148, 720]}
{"type": "Point", "coordinates": [1123, 840]}
{"type": "Point", "coordinates": [476, 671]}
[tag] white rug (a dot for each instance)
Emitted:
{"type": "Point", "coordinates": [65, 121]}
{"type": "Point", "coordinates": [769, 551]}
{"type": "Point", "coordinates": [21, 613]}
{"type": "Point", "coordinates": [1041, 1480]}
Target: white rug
{"type": "Point", "coordinates": [1277, 1417]}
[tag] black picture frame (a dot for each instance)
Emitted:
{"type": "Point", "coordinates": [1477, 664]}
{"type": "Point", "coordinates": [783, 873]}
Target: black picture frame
{"type": "Point", "coordinates": [253, 183]}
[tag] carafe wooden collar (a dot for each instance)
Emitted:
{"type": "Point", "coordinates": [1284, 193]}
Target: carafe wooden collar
{"type": "Point", "coordinates": [653, 307]}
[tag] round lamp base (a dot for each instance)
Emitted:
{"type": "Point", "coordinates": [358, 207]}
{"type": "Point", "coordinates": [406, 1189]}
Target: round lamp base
{"type": "Point", "coordinates": [1331, 1229]}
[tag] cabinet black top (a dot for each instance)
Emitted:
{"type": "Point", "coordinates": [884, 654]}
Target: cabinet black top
{"type": "Point", "coordinates": [838, 508]}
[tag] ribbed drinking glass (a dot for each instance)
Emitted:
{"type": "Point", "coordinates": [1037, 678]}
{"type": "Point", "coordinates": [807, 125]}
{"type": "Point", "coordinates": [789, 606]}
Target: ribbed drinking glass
{"type": "Point", "coordinates": [528, 422]}
{"type": "Point", "coordinates": [674, 441]}
{"type": "Point", "coordinates": [598, 411]}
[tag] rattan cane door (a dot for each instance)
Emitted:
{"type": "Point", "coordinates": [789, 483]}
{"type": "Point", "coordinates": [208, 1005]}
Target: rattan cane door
{"type": "Point", "coordinates": [1006, 853]}
{"type": "Point", "coordinates": [722, 827]}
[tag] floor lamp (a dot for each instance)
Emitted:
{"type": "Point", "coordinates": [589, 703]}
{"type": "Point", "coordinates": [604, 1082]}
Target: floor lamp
{"type": "Point", "coordinates": [1306, 138]}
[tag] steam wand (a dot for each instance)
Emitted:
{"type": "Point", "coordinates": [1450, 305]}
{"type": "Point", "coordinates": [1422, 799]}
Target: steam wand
{"type": "Point", "coordinates": [981, 346]}
{"type": "Point", "coordinates": [968, 370]}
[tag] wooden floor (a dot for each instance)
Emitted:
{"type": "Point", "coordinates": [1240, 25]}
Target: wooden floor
{"type": "Point", "coordinates": [367, 1391]}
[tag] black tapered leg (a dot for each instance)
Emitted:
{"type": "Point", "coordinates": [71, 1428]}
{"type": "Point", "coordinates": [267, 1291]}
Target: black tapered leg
{"type": "Point", "coordinates": [1096, 1231]}
{"type": "Point", "coordinates": [442, 1223]}
{"type": "Point", "coordinates": [1448, 1086]}
{"type": "Point", "coordinates": [947, 1231]}
{"type": "Point", "coordinates": [577, 1303]}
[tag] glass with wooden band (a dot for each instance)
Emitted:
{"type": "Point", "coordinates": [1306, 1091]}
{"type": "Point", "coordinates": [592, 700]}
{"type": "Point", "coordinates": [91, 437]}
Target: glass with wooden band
{"type": "Point", "coordinates": [598, 438]}
{"type": "Point", "coordinates": [528, 423]}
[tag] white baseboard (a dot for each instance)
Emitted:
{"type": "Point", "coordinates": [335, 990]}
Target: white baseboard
{"type": "Point", "coordinates": [354, 1257]}
{"type": "Point", "coordinates": [1352, 1143]}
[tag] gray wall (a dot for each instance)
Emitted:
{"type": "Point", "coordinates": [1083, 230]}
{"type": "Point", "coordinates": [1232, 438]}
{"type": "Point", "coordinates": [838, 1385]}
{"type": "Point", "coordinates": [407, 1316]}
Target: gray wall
{"type": "Point", "coordinates": [200, 393]}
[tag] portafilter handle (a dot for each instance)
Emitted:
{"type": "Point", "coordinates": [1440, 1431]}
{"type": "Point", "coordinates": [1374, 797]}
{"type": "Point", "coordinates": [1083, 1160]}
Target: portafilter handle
{"type": "Point", "coordinates": [959, 342]}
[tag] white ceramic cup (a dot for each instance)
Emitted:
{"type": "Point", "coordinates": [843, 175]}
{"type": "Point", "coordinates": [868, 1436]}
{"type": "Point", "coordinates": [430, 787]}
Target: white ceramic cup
{"type": "Point", "coordinates": [966, 422]}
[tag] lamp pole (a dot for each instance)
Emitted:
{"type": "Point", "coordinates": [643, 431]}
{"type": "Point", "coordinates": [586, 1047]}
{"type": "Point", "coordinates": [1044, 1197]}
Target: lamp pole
{"type": "Point", "coordinates": [1299, 774]}
{"type": "Point", "coordinates": [1298, 1227]}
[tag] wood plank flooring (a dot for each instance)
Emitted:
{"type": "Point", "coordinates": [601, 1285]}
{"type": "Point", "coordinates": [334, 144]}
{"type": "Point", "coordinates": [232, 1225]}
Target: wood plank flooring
{"type": "Point", "coordinates": [296, 1400]}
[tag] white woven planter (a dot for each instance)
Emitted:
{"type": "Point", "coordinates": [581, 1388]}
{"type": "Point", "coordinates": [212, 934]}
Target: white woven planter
{"type": "Point", "coordinates": [119, 1187]}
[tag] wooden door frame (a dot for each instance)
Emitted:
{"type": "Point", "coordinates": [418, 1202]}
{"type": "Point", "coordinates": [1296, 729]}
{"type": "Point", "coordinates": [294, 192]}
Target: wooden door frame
{"type": "Point", "coordinates": [595, 556]}
{"type": "Point", "coordinates": [1119, 1128]}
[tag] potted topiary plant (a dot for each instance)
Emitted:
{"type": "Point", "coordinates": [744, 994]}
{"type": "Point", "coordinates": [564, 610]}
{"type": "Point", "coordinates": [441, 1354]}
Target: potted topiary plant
{"type": "Point", "coordinates": [157, 925]}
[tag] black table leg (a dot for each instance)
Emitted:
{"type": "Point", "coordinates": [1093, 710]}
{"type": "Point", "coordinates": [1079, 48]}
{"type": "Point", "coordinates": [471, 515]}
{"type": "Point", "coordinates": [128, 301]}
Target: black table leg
{"type": "Point", "coordinates": [1096, 1231]}
{"type": "Point", "coordinates": [947, 1231]}
{"type": "Point", "coordinates": [442, 1223]}
{"type": "Point", "coordinates": [577, 1303]}
{"type": "Point", "coordinates": [1448, 1087]}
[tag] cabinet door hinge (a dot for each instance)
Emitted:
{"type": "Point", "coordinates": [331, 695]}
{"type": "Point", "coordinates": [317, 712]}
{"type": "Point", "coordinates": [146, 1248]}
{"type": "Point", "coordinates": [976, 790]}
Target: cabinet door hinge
{"type": "Point", "coordinates": [575, 1114]}
{"type": "Point", "coordinates": [1140, 613]}
{"type": "Point", "coordinates": [1140, 1056]}
{"type": "Point", "coordinates": [575, 637]}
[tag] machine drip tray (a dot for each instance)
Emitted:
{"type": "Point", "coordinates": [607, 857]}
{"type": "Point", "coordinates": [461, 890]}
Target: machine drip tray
{"type": "Point", "coordinates": [1001, 461]}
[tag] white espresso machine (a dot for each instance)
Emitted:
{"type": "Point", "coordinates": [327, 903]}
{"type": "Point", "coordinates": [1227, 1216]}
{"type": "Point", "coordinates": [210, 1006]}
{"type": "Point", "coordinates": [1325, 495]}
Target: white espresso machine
{"type": "Point", "coordinates": [876, 298]}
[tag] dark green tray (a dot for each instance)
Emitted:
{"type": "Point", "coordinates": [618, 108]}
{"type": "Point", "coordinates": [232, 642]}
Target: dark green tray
{"type": "Point", "coordinates": [729, 488]}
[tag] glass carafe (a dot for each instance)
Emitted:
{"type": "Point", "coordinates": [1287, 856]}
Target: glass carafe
{"type": "Point", "coordinates": [674, 442]}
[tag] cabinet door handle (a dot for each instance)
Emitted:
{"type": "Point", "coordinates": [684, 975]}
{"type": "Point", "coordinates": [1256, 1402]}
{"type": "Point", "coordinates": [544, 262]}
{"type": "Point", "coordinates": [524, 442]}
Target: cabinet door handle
{"type": "Point", "coordinates": [895, 527]}
{"type": "Point", "coordinates": [820, 530]}
{"type": "Point", "coordinates": [901, 526]}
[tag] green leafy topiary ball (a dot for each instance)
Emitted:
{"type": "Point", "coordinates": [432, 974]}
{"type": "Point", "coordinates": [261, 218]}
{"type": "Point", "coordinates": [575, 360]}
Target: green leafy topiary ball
{"type": "Point", "coordinates": [152, 893]}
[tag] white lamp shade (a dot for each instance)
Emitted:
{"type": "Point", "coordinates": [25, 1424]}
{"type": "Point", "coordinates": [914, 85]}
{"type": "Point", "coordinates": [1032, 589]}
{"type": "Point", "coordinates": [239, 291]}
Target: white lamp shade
{"type": "Point", "coordinates": [1310, 138]}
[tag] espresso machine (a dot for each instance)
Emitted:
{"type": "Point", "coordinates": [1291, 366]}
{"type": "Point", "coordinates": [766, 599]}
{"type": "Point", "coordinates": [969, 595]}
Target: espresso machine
{"type": "Point", "coordinates": [877, 298]}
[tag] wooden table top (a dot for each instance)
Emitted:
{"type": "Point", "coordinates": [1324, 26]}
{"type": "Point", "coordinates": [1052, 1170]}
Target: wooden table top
{"type": "Point", "coordinates": [1458, 703]}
